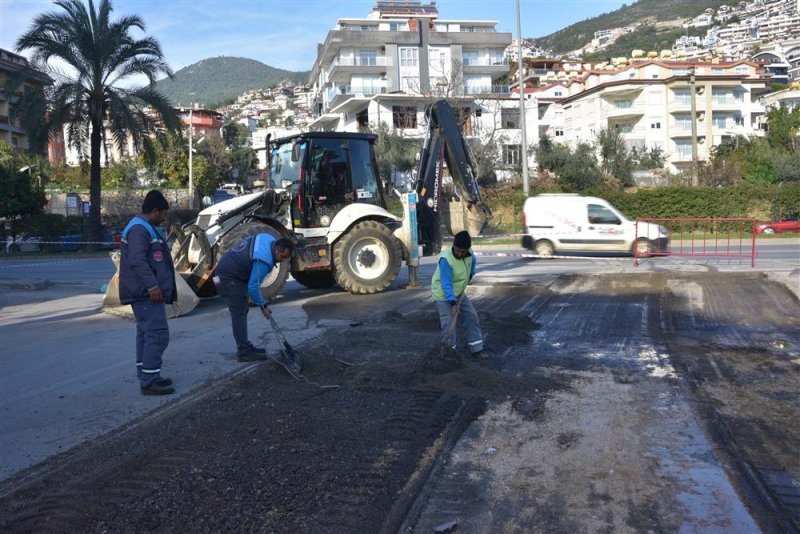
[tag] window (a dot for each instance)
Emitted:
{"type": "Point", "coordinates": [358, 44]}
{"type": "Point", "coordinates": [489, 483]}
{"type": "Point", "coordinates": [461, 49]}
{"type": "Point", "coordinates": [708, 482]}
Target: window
{"type": "Point", "coordinates": [511, 154]}
{"type": "Point", "coordinates": [559, 93]}
{"type": "Point", "coordinates": [409, 84]}
{"type": "Point", "coordinates": [470, 57]}
{"type": "Point", "coordinates": [655, 125]}
{"type": "Point", "coordinates": [14, 140]}
{"type": "Point", "coordinates": [368, 28]}
{"type": "Point", "coordinates": [720, 121]}
{"type": "Point", "coordinates": [601, 215]}
{"type": "Point", "coordinates": [404, 117]}
{"type": "Point", "coordinates": [683, 122]}
{"type": "Point", "coordinates": [509, 118]}
{"type": "Point", "coordinates": [559, 132]}
{"type": "Point", "coordinates": [408, 57]}
{"type": "Point", "coordinates": [623, 104]}
{"type": "Point", "coordinates": [623, 128]}
{"type": "Point", "coordinates": [397, 26]}
{"type": "Point", "coordinates": [683, 97]}
{"type": "Point", "coordinates": [684, 149]}
{"type": "Point", "coordinates": [367, 57]}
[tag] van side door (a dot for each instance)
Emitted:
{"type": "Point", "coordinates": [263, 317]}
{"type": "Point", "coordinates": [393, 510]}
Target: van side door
{"type": "Point", "coordinates": [605, 231]}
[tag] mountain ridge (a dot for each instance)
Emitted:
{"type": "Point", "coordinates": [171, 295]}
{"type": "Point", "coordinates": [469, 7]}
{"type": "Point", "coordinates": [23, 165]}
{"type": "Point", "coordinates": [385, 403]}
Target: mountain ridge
{"type": "Point", "coordinates": [212, 81]}
{"type": "Point", "coordinates": [643, 11]}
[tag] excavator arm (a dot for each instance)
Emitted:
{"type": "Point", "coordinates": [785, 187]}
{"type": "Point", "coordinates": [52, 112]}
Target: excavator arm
{"type": "Point", "coordinates": [464, 209]}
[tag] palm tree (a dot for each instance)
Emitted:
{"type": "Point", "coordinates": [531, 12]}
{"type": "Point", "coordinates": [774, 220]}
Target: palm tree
{"type": "Point", "coordinates": [99, 54]}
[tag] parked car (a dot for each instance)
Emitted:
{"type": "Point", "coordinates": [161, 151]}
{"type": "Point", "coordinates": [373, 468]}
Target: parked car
{"type": "Point", "coordinates": [557, 223]}
{"type": "Point", "coordinates": [787, 225]}
{"type": "Point", "coordinates": [23, 244]}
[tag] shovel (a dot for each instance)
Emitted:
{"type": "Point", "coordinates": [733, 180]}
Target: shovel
{"type": "Point", "coordinates": [292, 360]}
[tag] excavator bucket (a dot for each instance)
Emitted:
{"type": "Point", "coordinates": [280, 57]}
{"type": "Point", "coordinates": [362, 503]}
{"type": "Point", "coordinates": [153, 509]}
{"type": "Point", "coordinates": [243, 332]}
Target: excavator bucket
{"type": "Point", "coordinates": [187, 300]}
{"type": "Point", "coordinates": [463, 215]}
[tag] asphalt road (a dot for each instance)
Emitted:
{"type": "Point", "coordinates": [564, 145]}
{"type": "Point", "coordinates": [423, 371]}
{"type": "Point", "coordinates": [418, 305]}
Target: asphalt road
{"type": "Point", "coordinates": [67, 370]}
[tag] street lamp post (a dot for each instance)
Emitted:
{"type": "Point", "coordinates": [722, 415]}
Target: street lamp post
{"type": "Point", "coordinates": [524, 147]}
{"type": "Point", "coordinates": [693, 118]}
{"type": "Point", "coordinates": [191, 135]}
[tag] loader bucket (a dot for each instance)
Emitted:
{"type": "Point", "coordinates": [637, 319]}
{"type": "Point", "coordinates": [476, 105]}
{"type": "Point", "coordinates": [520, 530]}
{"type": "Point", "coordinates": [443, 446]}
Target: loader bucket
{"type": "Point", "coordinates": [187, 300]}
{"type": "Point", "coordinates": [466, 216]}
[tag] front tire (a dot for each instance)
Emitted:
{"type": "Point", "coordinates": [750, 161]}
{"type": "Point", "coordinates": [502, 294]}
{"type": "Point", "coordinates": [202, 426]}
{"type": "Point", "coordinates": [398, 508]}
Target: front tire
{"type": "Point", "coordinates": [273, 282]}
{"type": "Point", "coordinates": [644, 247]}
{"type": "Point", "coordinates": [314, 279]}
{"type": "Point", "coordinates": [768, 231]}
{"type": "Point", "coordinates": [367, 258]}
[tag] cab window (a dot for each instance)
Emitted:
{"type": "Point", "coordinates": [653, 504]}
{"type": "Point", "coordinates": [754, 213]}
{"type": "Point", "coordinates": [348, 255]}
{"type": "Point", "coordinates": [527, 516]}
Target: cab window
{"type": "Point", "coordinates": [282, 166]}
{"type": "Point", "coordinates": [365, 177]}
{"type": "Point", "coordinates": [601, 215]}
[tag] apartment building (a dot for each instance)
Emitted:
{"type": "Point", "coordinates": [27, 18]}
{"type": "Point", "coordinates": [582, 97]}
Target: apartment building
{"type": "Point", "coordinates": [15, 69]}
{"type": "Point", "coordinates": [384, 69]}
{"type": "Point", "coordinates": [649, 103]}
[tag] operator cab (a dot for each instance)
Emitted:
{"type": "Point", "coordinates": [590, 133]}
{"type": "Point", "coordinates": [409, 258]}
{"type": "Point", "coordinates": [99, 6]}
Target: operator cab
{"type": "Point", "coordinates": [326, 171]}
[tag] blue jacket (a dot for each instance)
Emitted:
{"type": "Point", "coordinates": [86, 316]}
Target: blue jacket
{"type": "Point", "coordinates": [145, 262]}
{"type": "Point", "coordinates": [249, 261]}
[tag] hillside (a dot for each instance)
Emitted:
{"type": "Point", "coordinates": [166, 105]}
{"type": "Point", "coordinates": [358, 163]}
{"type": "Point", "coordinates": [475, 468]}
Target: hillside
{"type": "Point", "coordinates": [215, 80]}
{"type": "Point", "coordinates": [581, 33]}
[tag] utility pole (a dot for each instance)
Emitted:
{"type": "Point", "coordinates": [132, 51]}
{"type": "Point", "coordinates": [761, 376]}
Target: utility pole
{"type": "Point", "coordinates": [693, 118]}
{"type": "Point", "coordinates": [191, 134]}
{"type": "Point", "coordinates": [524, 147]}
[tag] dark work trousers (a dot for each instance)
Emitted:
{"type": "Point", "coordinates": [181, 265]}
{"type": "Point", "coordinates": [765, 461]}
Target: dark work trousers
{"type": "Point", "coordinates": [467, 318]}
{"type": "Point", "coordinates": [234, 293]}
{"type": "Point", "coordinates": [152, 338]}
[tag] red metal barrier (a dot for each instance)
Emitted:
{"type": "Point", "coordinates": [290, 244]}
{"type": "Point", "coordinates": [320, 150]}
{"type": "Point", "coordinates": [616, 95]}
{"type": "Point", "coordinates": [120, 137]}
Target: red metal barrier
{"type": "Point", "coordinates": [692, 236]}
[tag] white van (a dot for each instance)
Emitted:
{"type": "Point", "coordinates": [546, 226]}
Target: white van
{"type": "Point", "coordinates": [557, 223]}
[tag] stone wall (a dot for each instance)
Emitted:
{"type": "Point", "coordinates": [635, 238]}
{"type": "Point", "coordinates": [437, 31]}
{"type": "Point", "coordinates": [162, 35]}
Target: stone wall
{"type": "Point", "coordinates": [117, 202]}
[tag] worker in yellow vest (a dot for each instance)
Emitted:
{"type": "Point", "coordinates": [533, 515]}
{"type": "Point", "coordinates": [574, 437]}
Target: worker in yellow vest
{"type": "Point", "coordinates": [455, 269]}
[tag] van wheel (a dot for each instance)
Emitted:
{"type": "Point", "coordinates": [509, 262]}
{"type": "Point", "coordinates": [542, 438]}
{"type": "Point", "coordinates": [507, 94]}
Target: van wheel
{"type": "Point", "coordinates": [13, 248]}
{"type": "Point", "coordinates": [643, 247]}
{"type": "Point", "coordinates": [367, 258]}
{"type": "Point", "coordinates": [544, 249]}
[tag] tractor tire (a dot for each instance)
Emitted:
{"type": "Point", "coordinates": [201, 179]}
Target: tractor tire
{"type": "Point", "coordinates": [314, 279]}
{"type": "Point", "coordinates": [367, 258]}
{"type": "Point", "coordinates": [273, 282]}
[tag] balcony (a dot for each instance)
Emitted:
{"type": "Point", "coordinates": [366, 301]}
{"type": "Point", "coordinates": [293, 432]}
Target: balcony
{"type": "Point", "coordinates": [487, 90]}
{"type": "Point", "coordinates": [344, 67]}
{"type": "Point", "coordinates": [623, 112]}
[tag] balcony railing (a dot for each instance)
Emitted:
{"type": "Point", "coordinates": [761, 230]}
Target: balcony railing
{"type": "Point", "coordinates": [487, 90]}
{"type": "Point", "coordinates": [359, 90]}
{"type": "Point", "coordinates": [379, 61]}
{"type": "Point", "coordinates": [482, 62]}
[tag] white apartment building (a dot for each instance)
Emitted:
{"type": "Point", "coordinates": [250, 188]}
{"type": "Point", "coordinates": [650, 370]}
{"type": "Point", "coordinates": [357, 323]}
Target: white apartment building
{"type": "Point", "coordinates": [649, 102]}
{"type": "Point", "coordinates": [385, 68]}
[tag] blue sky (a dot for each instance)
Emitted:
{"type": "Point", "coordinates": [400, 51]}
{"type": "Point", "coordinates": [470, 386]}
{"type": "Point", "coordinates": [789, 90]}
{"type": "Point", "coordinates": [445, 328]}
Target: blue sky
{"type": "Point", "coordinates": [285, 33]}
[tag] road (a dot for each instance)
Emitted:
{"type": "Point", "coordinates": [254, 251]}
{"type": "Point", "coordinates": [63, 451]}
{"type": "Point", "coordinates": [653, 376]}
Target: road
{"type": "Point", "coordinates": [68, 375]}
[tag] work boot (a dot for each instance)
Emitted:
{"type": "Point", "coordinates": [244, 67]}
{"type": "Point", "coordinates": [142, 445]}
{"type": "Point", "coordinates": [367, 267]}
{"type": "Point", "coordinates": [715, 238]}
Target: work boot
{"type": "Point", "coordinates": [252, 354]}
{"type": "Point", "coordinates": [157, 389]}
{"type": "Point", "coordinates": [164, 381]}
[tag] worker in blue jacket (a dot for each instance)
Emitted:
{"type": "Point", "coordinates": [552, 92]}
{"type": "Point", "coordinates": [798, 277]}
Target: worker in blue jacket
{"type": "Point", "coordinates": [147, 283]}
{"type": "Point", "coordinates": [454, 270]}
{"type": "Point", "coordinates": [241, 271]}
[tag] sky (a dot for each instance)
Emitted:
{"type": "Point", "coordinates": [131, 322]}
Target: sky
{"type": "Point", "coordinates": [284, 34]}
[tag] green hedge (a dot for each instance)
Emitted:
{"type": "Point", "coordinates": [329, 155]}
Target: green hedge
{"type": "Point", "coordinates": [750, 201]}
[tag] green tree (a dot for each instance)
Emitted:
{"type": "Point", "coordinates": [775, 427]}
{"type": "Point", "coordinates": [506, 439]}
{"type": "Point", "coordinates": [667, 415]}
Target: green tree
{"type": "Point", "coordinates": [394, 152]}
{"type": "Point", "coordinates": [120, 174]}
{"type": "Point", "coordinates": [170, 160]}
{"type": "Point", "coordinates": [784, 125]}
{"type": "Point", "coordinates": [581, 170]}
{"type": "Point", "coordinates": [102, 54]}
{"type": "Point", "coordinates": [22, 194]}
{"type": "Point", "coordinates": [615, 160]}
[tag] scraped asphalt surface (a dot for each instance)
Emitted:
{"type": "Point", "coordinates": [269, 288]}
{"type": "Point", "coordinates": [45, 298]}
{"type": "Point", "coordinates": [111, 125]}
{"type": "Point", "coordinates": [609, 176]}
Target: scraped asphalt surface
{"type": "Point", "coordinates": [664, 397]}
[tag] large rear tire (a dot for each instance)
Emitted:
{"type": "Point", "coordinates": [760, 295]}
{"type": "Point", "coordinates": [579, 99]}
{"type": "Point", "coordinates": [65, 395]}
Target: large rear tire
{"type": "Point", "coordinates": [273, 282]}
{"type": "Point", "coordinates": [314, 279]}
{"type": "Point", "coordinates": [367, 258]}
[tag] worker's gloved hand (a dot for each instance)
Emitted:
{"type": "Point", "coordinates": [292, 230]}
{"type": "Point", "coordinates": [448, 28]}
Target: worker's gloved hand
{"type": "Point", "coordinates": [156, 295]}
{"type": "Point", "coordinates": [266, 311]}
{"type": "Point", "coordinates": [455, 309]}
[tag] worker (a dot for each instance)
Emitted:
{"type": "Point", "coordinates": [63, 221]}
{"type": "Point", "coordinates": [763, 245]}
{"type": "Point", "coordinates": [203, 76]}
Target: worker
{"type": "Point", "coordinates": [454, 270]}
{"type": "Point", "coordinates": [240, 272]}
{"type": "Point", "coordinates": [147, 283]}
